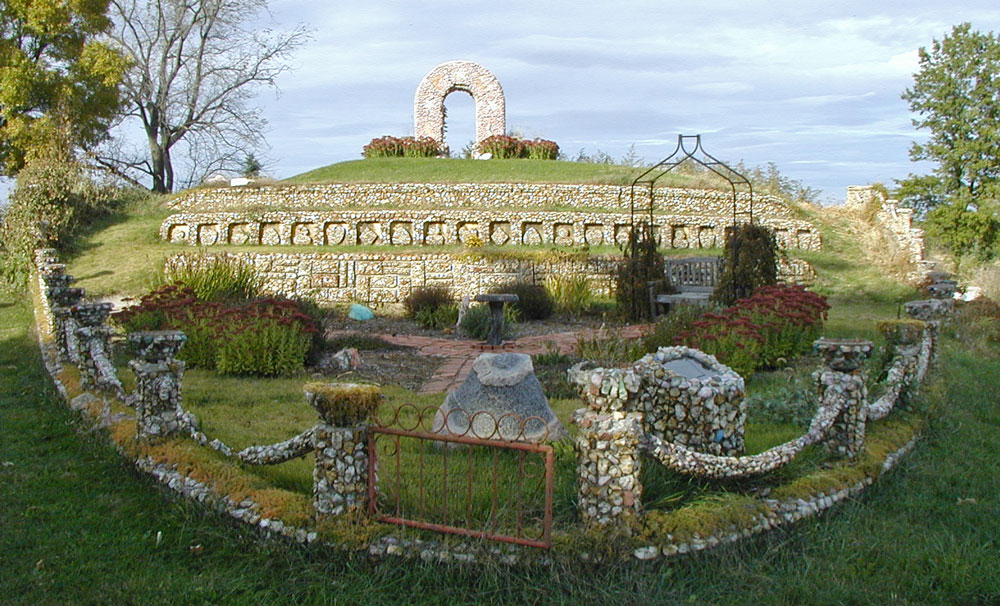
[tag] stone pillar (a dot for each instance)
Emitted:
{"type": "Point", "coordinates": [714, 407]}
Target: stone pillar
{"type": "Point", "coordinates": [610, 493]}
{"type": "Point", "coordinates": [842, 385]}
{"type": "Point", "coordinates": [63, 299]}
{"type": "Point", "coordinates": [158, 377]}
{"type": "Point", "coordinates": [92, 334]}
{"type": "Point", "coordinates": [340, 442]}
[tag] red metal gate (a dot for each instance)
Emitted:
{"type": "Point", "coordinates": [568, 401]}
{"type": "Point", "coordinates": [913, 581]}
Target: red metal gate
{"type": "Point", "coordinates": [472, 475]}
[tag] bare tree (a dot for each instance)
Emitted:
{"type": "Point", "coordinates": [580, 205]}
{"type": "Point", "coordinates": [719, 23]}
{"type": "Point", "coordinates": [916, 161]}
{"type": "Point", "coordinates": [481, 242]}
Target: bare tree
{"type": "Point", "coordinates": [196, 66]}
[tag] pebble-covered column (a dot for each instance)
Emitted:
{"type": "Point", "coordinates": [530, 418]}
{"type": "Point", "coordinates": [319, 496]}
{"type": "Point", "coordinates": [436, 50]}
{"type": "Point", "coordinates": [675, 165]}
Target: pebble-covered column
{"type": "Point", "coordinates": [92, 335]}
{"type": "Point", "coordinates": [610, 493]}
{"type": "Point", "coordinates": [842, 385]}
{"type": "Point", "coordinates": [158, 377]}
{"type": "Point", "coordinates": [340, 442]}
{"type": "Point", "coordinates": [63, 299]}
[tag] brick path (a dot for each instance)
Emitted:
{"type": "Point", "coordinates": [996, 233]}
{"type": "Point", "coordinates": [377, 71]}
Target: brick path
{"type": "Point", "coordinates": [458, 354]}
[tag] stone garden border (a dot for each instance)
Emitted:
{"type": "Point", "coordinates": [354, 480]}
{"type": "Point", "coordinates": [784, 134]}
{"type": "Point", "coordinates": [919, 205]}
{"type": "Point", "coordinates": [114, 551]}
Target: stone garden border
{"type": "Point", "coordinates": [94, 407]}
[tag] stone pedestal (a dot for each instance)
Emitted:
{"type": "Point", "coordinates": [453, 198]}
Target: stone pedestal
{"type": "Point", "coordinates": [691, 399]}
{"type": "Point", "coordinates": [496, 303]}
{"type": "Point", "coordinates": [158, 384]}
{"type": "Point", "coordinates": [92, 335]}
{"type": "Point", "coordinates": [340, 478]}
{"type": "Point", "coordinates": [610, 493]}
{"type": "Point", "coordinates": [843, 385]}
{"type": "Point", "coordinates": [63, 299]}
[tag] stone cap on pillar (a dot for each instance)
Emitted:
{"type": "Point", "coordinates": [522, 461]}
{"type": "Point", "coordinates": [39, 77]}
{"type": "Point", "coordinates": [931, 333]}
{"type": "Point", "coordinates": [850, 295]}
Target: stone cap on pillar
{"type": "Point", "coordinates": [844, 355]}
{"type": "Point", "coordinates": [155, 346]}
{"type": "Point", "coordinates": [91, 314]}
{"type": "Point", "coordinates": [496, 298]}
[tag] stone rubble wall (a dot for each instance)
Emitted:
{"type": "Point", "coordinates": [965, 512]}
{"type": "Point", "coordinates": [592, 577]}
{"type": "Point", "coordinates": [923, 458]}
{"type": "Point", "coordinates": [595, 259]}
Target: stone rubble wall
{"type": "Point", "coordinates": [608, 467]}
{"type": "Point", "coordinates": [377, 279]}
{"type": "Point", "coordinates": [897, 220]}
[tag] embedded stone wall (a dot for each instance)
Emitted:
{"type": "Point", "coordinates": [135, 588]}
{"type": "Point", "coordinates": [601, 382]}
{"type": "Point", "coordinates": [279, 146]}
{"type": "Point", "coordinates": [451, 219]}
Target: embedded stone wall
{"type": "Point", "coordinates": [476, 196]}
{"type": "Point", "coordinates": [389, 278]}
{"type": "Point", "coordinates": [436, 228]}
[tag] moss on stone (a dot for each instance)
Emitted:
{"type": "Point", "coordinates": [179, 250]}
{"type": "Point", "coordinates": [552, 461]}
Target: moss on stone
{"type": "Point", "coordinates": [343, 404]}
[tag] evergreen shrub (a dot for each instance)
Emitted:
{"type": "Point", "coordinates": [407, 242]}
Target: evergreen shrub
{"type": "Point", "coordinates": [642, 264]}
{"type": "Point", "coordinates": [533, 300]}
{"type": "Point", "coordinates": [749, 262]}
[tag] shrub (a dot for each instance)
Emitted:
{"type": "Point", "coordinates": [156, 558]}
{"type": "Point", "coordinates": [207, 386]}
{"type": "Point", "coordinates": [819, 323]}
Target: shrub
{"type": "Point", "coordinates": [642, 265]}
{"type": "Point", "coordinates": [542, 149]}
{"type": "Point", "coordinates": [533, 300]}
{"type": "Point", "coordinates": [667, 328]}
{"type": "Point", "coordinates": [263, 346]}
{"type": "Point", "coordinates": [343, 404]}
{"type": "Point", "coordinates": [760, 331]}
{"type": "Point", "coordinates": [265, 336]}
{"type": "Point", "coordinates": [571, 294]}
{"type": "Point", "coordinates": [476, 321]}
{"type": "Point", "coordinates": [398, 147]}
{"type": "Point", "coordinates": [503, 147]}
{"type": "Point", "coordinates": [426, 297]}
{"type": "Point", "coordinates": [749, 262]}
{"type": "Point", "coordinates": [507, 146]}
{"type": "Point", "coordinates": [53, 199]}
{"type": "Point", "coordinates": [606, 348]}
{"type": "Point", "coordinates": [223, 278]}
{"type": "Point", "coordinates": [437, 318]}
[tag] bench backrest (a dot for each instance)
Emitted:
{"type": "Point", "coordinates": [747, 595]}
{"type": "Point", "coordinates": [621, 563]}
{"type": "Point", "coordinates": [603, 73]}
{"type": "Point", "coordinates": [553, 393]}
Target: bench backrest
{"type": "Point", "coordinates": [693, 271]}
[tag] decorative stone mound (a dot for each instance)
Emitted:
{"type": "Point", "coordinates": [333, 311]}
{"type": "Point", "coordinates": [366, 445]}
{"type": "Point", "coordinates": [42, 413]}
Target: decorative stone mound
{"type": "Point", "coordinates": [691, 399]}
{"type": "Point", "coordinates": [501, 400]}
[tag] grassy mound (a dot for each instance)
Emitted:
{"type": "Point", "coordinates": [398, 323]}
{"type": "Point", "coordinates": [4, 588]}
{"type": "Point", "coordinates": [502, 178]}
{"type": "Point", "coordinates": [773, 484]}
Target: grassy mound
{"type": "Point", "coordinates": [447, 170]}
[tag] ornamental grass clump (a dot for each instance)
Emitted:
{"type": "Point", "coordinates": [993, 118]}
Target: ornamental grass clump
{"type": "Point", "coordinates": [761, 331]}
{"type": "Point", "coordinates": [216, 278]}
{"type": "Point", "coordinates": [432, 307]}
{"type": "Point", "coordinates": [571, 294]}
{"type": "Point", "coordinates": [343, 404]}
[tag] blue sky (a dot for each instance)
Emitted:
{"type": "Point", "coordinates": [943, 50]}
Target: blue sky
{"type": "Point", "coordinates": [811, 86]}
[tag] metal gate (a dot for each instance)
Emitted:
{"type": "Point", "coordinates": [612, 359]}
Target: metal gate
{"type": "Point", "coordinates": [472, 475]}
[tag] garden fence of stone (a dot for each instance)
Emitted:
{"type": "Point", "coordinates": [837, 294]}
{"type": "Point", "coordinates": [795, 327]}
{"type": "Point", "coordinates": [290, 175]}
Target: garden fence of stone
{"type": "Point", "coordinates": [679, 406]}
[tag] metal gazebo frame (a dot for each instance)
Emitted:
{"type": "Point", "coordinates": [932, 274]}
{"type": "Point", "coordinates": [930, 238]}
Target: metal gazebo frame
{"type": "Point", "coordinates": [681, 154]}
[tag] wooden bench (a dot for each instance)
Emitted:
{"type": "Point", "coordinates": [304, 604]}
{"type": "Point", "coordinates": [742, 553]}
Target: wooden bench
{"type": "Point", "coordinates": [694, 278]}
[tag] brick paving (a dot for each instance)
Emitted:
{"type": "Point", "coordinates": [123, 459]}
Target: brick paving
{"type": "Point", "coordinates": [457, 355]}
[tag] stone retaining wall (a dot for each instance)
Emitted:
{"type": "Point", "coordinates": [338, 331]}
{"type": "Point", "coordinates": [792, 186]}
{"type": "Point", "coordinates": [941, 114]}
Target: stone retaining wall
{"type": "Point", "coordinates": [481, 196]}
{"type": "Point", "coordinates": [384, 227]}
{"type": "Point", "coordinates": [389, 278]}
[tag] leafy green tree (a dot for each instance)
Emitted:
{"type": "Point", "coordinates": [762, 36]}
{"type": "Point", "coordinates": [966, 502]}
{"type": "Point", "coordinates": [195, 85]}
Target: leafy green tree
{"type": "Point", "coordinates": [58, 79]}
{"type": "Point", "coordinates": [956, 98]}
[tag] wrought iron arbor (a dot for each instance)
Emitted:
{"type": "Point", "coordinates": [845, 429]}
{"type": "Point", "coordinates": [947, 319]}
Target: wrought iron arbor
{"type": "Point", "coordinates": [646, 182]}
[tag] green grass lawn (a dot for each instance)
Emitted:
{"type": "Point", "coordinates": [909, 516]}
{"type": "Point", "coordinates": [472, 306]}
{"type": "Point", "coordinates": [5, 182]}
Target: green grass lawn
{"type": "Point", "coordinates": [79, 526]}
{"type": "Point", "coordinates": [447, 170]}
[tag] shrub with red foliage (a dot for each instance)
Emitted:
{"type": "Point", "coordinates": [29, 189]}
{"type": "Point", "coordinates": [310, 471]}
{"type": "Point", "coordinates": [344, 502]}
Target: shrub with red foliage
{"type": "Point", "coordinates": [212, 326]}
{"type": "Point", "coordinates": [762, 330]}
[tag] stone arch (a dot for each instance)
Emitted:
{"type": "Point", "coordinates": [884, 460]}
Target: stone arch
{"type": "Point", "coordinates": [428, 103]}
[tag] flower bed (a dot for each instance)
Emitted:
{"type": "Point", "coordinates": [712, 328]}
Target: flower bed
{"type": "Point", "coordinates": [760, 331]}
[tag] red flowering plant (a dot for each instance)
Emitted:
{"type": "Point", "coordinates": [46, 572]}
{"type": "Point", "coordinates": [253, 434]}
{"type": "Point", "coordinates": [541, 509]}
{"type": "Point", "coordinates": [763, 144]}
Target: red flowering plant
{"type": "Point", "coordinates": [398, 147]}
{"type": "Point", "coordinates": [542, 149]}
{"type": "Point", "coordinates": [264, 336]}
{"type": "Point", "coordinates": [760, 331]}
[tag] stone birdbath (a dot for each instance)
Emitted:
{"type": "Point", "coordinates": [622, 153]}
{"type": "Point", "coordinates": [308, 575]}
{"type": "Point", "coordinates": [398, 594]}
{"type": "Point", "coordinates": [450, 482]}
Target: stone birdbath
{"type": "Point", "coordinates": [496, 302]}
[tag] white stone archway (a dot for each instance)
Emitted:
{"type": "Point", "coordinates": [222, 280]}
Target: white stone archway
{"type": "Point", "coordinates": [428, 103]}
